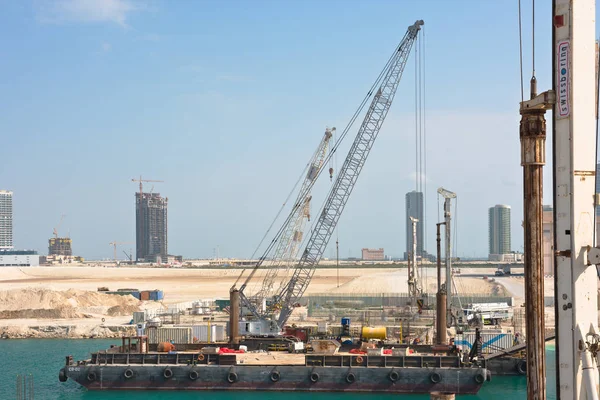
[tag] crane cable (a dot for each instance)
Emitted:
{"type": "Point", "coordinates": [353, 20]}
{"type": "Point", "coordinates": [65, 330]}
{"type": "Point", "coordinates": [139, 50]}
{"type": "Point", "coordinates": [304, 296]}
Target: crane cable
{"type": "Point", "coordinates": [594, 243]}
{"type": "Point", "coordinates": [521, 53]}
{"type": "Point", "coordinates": [333, 150]}
{"type": "Point", "coordinates": [425, 226]}
{"type": "Point", "coordinates": [274, 220]}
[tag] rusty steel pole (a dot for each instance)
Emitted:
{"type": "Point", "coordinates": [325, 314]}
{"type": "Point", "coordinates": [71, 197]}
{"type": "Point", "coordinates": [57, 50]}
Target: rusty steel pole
{"type": "Point", "coordinates": [533, 157]}
{"type": "Point", "coordinates": [234, 316]}
{"type": "Point", "coordinates": [439, 255]}
{"type": "Point", "coordinates": [440, 313]}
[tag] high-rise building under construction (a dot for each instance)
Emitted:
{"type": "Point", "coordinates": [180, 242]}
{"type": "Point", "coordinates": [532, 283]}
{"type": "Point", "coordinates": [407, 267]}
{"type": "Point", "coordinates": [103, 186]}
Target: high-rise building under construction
{"type": "Point", "coordinates": [6, 219]}
{"type": "Point", "coordinates": [151, 226]}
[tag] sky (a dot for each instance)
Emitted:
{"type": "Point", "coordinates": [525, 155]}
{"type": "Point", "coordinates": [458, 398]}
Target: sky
{"type": "Point", "coordinates": [226, 101]}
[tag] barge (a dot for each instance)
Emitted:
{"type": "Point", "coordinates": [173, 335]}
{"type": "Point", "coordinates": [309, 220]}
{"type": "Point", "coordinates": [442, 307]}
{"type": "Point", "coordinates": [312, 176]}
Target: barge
{"type": "Point", "coordinates": [120, 369]}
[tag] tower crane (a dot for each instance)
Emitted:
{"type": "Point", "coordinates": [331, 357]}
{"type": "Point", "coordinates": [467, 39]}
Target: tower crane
{"type": "Point", "coordinates": [285, 252]}
{"type": "Point", "coordinates": [141, 184]}
{"type": "Point", "coordinates": [55, 230]}
{"type": "Point", "coordinates": [322, 230]}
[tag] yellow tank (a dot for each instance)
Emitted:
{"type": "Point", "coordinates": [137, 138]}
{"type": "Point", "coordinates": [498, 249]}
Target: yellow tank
{"type": "Point", "coordinates": [377, 332]}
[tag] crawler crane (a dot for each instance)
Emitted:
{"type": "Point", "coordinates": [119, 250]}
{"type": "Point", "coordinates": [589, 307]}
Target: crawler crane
{"type": "Point", "coordinates": [274, 318]}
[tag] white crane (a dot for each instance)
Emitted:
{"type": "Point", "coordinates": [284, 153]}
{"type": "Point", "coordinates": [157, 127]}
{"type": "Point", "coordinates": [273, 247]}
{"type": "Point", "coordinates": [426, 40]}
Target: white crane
{"type": "Point", "coordinates": [286, 251]}
{"type": "Point", "coordinates": [293, 289]}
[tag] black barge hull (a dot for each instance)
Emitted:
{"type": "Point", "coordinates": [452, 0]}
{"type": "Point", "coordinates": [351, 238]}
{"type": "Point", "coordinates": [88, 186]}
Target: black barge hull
{"type": "Point", "coordinates": [384, 374]}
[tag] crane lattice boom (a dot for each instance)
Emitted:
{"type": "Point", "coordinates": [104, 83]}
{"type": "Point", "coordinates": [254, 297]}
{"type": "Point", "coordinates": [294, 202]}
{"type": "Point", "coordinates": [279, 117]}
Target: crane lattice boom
{"type": "Point", "coordinates": [287, 246]}
{"type": "Point", "coordinates": [347, 177]}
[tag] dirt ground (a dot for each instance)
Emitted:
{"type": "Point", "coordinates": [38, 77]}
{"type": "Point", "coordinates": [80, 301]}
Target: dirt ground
{"type": "Point", "coordinates": [185, 285]}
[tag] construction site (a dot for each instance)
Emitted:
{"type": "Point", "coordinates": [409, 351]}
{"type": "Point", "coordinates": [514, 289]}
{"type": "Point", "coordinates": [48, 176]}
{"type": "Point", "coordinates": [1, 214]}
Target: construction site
{"type": "Point", "coordinates": [289, 319]}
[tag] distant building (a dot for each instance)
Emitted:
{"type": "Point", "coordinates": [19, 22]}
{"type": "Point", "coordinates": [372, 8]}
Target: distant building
{"type": "Point", "coordinates": [373, 254]}
{"type": "Point", "coordinates": [19, 258]}
{"type": "Point", "coordinates": [414, 208]}
{"type": "Point", "coordinates": [166, 259]}
{"type": "Point", "coordinates": [6, 219]}
{"type": "Point", "coordinates": [151, 226]}
{"type": "Point", "coordinates": [60, 247]}
{"type": "Point", "coordinates": [499, 231]}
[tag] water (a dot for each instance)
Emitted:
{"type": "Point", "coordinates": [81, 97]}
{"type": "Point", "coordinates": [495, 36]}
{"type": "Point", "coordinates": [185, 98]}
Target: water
{"type": "Point", "coordinates": [44, 357]}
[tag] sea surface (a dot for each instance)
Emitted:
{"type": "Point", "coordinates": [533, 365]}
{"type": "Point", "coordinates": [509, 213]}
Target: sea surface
{"type": "Point", "coordinates": [43, 358]}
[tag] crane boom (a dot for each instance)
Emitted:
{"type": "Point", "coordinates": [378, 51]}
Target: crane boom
{"type": "Point", "coordinates": [347, 177]}
{"type": "Point", "coordinates": [287, 245]}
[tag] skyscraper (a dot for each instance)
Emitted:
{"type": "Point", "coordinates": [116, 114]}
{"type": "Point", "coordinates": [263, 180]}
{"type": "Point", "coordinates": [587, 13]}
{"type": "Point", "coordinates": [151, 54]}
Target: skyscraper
{"type": "Point", "coordinates": [499, 230]}
{"type": "Point", "coordinates": [6, 219]}
{"type": "Point", "coordinates": [414, 208]}
{"type": "Point", "coordinates": [151, 226]}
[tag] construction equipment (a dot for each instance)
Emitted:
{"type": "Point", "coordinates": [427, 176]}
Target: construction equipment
{"type": "Point", "coordinates": [293, 289]}
{"type": "Point", "coordinates": [574, 164]}
{"type": "Point", "coordinates": [55, 230]}
{"type": "Point", "coordinates": [115, 244]}
{"type": "Point", "coordinates": [141, 184]}
{"type": "Point", "coordinates": [129, 256]}
{"type": "Point", "coordinates": [414, 284]}
{"type": "Point", "coordinates": [448, 196]}
{"type": "Point", "coordinates": [286, 251]}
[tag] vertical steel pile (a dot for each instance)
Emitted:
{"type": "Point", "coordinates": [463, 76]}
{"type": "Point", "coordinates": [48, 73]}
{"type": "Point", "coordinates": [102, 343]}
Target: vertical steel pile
{"type": "Point", "coordinates": [533, 157]}
{"type": "Point", "coordinates": [440, 313]}
{"type": "Point", "coordinates": [234, 316]}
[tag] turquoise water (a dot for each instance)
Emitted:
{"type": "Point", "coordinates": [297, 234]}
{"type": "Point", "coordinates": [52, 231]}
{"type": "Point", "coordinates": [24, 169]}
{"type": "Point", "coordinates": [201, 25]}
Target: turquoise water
{"type": "Point", "coordinates": [43, 358]}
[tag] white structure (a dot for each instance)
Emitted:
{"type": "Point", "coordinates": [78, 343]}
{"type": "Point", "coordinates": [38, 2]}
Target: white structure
{"type": "Point", "coordinates": [19, 258]}
{"type": "Point", "coordinates": [6, 219]}
{"type": "Point", "coordinates": [574, 167]}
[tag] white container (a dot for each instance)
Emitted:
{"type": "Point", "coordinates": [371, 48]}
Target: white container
{"type": "Point", "coordinates": [322, 327]}
{"type": "Point", "coordinates": [375, 352]}
{"type": "Point", "coordinates": [297, 347]}
{"type": "Point", "coordinates": [491, 342]}
{"type": "Point", "coordinates": [244, 348]}
{"type": "Point", "coordinates": [219, 333]}
{"type": "Point", "coordinates": [179, 335]}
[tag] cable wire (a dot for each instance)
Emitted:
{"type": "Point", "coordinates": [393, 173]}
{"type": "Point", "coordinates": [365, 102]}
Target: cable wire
{"type": "Point", "coordinates": [533, 38]}
{"type": "Point", "coordinates": [521, 52]}
{"type": "Point", "coordinates": [596, 162]}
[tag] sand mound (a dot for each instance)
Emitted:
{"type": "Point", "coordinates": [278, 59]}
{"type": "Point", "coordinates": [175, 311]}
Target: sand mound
{"type": "Point", "coordinates": [42, 303]}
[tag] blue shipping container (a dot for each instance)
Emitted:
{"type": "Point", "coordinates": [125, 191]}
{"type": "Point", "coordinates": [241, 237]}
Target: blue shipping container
{"type": "Point", "coordinates": [156, 295]}
{"type": "Point", "coordinates": [345, 321]}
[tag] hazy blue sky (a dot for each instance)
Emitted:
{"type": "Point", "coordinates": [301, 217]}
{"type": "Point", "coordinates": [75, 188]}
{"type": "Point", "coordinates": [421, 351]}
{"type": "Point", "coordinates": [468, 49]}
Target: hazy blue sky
{"type": "Point", "coordinates": [226, 100]}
